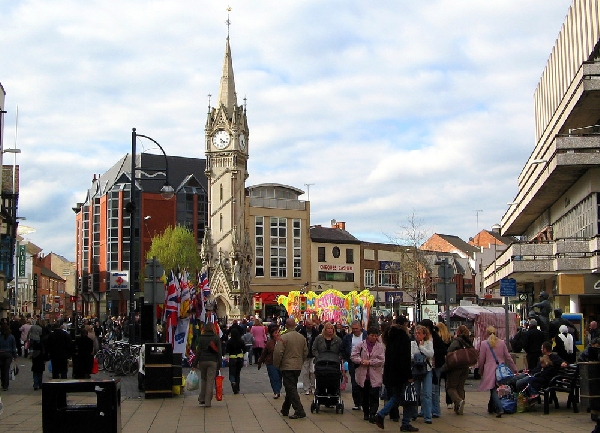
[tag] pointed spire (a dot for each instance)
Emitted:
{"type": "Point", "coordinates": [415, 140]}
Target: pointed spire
{"type": "Point", "coordinates": [227, 94]}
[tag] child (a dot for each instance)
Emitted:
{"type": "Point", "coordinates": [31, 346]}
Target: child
{"type": "Point", "coordinates": [248, 340]}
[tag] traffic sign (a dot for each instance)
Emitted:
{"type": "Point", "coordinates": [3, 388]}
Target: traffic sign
{"type": "Point", "coordinates": [508, 287]}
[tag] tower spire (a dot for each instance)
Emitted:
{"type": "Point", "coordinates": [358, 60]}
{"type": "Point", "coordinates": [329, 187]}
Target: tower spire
{"type": "Point", "coordinates": [227, 95]}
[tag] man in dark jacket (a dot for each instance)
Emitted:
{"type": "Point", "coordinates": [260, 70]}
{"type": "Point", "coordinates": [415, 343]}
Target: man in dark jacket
{"type": "Point", "coordinates": [533, 344]}
{"type": "Point", "coordinates": [397, 373]}
{"type": "Point", "coordinates": [354, 338]}
{"type": "Point", "coordinates": [59, 350]}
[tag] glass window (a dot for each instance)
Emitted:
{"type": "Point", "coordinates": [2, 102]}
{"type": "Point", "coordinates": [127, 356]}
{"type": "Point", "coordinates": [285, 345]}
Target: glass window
{"type": "Point", "coordinates": [259, 267]}
{"type": "Point", "coordinates": [321, 254]}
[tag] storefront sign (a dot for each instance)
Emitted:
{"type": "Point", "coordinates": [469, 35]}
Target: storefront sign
{"type": "Point", "coordinates": [336, 268]}
{"type": "Point", "coordinates": [119, 280]}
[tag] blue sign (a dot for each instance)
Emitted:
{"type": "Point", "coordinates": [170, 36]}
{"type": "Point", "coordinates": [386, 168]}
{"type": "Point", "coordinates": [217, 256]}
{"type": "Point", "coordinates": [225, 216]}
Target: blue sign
{"type": "Point", "coordinates": [508, 287]}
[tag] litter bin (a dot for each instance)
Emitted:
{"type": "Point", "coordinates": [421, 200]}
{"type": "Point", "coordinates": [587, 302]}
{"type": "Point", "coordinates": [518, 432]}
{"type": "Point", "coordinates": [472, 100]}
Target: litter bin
{"type": "Point", "coordinates": [59, 415]}
{"type": "Point", "coordinates": [158, 370]}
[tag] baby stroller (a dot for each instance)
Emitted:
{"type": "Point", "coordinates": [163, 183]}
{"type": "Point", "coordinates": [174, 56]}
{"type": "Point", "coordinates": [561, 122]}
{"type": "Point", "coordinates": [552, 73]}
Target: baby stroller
{"type": "Point", "coordinates": [328, 377]}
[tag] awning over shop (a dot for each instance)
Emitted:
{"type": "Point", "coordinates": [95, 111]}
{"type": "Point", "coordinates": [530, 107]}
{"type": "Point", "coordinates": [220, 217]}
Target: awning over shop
{"type": "Point", "coordinates": [269, 298]}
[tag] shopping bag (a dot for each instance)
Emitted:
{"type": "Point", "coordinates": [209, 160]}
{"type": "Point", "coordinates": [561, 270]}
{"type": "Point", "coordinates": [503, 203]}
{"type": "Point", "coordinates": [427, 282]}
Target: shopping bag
{"type": "Point", "coordinates": [95, 367]}
{"type": "Point", "coordinates": [509, 403]}
{"type": "Point", "coordinates": [219, 387]}
{"type": "Point", "coordinates": [461, 358]}
{"type": "Point", "coordinates": [409, 396]}
{"type": "Point", "coordinates": [522, 403]}
{"type": "Point", "coordinates": [191, 381]}
{"type": "Point", "coordinates": [503, 372]}
{"type": "Point", "coordinates": [11, 372]}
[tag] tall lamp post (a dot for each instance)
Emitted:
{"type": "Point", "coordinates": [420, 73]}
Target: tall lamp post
{"type": "Point", "coordinates": [167, 193]}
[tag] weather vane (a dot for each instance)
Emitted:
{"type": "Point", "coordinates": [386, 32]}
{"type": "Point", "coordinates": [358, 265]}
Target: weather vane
{"type": "Point", "coordinates": [228, 22]}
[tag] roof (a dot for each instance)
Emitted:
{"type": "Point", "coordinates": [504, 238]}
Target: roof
{"type": "Point", "coordinates": [506, 240]}
{"type": "Point", "coordinates": [275, 185]}
{"type": "Point", "coordinates": [459, 244]}
{"type": "Point", "coordinates": [180, 169]}
{"type": "Point", "coordinates": [333, 235]}
{"type": "Point", "coordinates": [48, 273]}
{"type": "Point", "coordinates": [227, 96]}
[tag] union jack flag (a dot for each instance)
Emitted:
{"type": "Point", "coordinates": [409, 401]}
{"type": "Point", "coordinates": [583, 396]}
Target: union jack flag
{"type": "Point", "coordinates": [171, 307]}
{"type": "Point", "coordinates": [204, 287]}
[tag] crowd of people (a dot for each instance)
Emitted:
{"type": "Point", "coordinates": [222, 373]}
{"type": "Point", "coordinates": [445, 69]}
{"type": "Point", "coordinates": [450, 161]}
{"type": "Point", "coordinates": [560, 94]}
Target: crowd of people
{"type": "Point", "coordinates": [380, 362]}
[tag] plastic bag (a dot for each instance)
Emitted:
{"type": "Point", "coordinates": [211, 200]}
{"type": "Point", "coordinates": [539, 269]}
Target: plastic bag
{"type": "Point", "coordinates": [95, 366]}
{"type": "Point", "coordinates": [191, 381]}
{"type": "Point", "coordinates": [522, 403]}
{"type": "Point", "coordinates": [219, 387]}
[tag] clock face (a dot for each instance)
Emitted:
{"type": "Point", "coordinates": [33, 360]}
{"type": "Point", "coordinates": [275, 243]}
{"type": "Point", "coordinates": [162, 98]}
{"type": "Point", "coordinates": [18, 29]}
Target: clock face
{"type": "Point", "coordinates": [221, 139]}
{"type": "Point", "coordinates": [242, 140]}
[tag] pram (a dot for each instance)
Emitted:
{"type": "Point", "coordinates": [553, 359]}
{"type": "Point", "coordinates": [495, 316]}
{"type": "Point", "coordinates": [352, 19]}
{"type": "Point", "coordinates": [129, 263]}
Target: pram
{"type": "Point", "coordinates": [328, 377]}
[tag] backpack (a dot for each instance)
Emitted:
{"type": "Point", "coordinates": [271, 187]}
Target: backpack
{"type": "Point", "coordinates": [419, 366]}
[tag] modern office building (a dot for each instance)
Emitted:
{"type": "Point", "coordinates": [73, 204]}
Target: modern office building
{"type": "Point", "coordinates": [556, 212]}
{"type": "Point", "coordinates": [103, 223]}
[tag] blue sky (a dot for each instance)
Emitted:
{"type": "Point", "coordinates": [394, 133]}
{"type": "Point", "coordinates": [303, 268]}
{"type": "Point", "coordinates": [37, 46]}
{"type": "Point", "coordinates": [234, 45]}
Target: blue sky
{"type": "Point", "coordinates": [388, 108]}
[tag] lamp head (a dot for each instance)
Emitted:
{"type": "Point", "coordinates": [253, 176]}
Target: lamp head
{"type": "Point", "coordinates": [167, 192]}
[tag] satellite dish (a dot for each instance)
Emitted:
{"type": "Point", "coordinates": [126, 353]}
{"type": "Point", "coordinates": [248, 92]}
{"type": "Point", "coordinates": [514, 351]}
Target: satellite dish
{"type": "Point", "coordinates": [25, 230]}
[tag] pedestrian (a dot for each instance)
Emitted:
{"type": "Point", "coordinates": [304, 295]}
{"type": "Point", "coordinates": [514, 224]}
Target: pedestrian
{"type": "Point", "coordinates": [564, 345]}
{"type": "Point", "coordinates": [487, 367]}
{"type": "Point", "coordinates": [15, 326]}
{"type": "Point", "coordinates": [207, 360]}
{"type": "Point", "coordinates": [38, 355]}
{"type": "Point", "coordinates": [267, 358]}
{"type": "Point", "coordinates": [248, 340]}
{"type": "Point", "coordinates": [235, 349]}
{"type": "Point", "coordinates": [440, 349]}
{"type": "Point", "coordinates": [8, 353]}
{"type": "Point", "coordinates": [351, 340]}
{"type": "Point", "coordinates": [397, 373]}
{"type": "Point", "coordinates": [369, 356]}
{"type": "Point", "coordinates": [532, 342]}
{"type": "Point", "coordinates": [59, 349]}
{"type": "Point", "coordinates": [422, 345]}
{"type": "Point", "coordinates": [288, 356]}
{"type": "Point", "coordinates": [83, 356]}
{"type": "Point", "coordinates": [455, 384]}
{"type": "Point", "coordinates": [447, 339]}
{"type": "Point", "coordinates": [327, 347]}
{"type": "Point", "coordinates": [307, 374]}
{"type": "Point", "coordinates": [24, 336]}
{"type": "Point", "coordinates": [260, 338]}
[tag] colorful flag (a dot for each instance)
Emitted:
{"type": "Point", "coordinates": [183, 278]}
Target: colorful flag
{"type": "Point", "coordinates": [184, 299]}
{"type": "Point", "coordinates": [204, 287]}
{"type": "Point", "coordinates": [171, 308]}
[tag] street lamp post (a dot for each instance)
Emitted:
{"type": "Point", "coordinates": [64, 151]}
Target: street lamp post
{"type": "Point", "coordinates": [167, 193]}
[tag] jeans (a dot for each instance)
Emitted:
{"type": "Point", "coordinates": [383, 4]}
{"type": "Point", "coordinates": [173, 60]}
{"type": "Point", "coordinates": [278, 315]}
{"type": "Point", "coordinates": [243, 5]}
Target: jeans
{"type": "Point", "coordinates": [435, 392]}
{"type": "Point", "coordinates": [275, 378]}
{"type": "Point", "coordinates": [307, 374]}
{"type": "Point", "coordinates": [423, 386]}
{"type": "Point", "coordinates": [37, 380]}
{"type": "Point", "coordinates": [356, 390]}
{"type": "Point", "coordinates": [5, 361]}
{"type": "Point", "coordinates": [408, 412]}
{"type": "Point", "coordinates": [495, 401]}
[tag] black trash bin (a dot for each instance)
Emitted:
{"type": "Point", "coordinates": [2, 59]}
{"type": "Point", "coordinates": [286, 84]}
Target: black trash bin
{"type": "Point", "coordinates": [59, 415]}
{"type": "Point", "coordinates": [158, 369]}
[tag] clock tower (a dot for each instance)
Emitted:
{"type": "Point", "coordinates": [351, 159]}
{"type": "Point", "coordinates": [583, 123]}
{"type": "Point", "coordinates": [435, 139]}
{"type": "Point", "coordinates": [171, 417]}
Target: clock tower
{"type": "Point", "coordinates": [226, 249]}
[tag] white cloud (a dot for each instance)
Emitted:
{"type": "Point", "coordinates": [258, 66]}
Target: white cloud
{"type": "Point", "coordinates": [388, 108]}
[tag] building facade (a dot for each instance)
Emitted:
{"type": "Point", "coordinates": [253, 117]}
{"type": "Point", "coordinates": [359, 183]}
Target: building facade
{"type": "Point", "coordinates": [335, 254]}
{"type": "Point", "coordinates": [279, 224]}
{"type": "Point", "coordinates": [556, 212]}
{"type": "Point", "coordinates": [103, 225]}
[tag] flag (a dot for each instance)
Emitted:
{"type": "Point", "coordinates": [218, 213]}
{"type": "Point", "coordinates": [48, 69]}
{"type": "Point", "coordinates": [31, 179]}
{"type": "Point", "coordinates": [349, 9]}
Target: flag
{"type": "Point", "coordinates": [184, 300]}
{"type": "Point", "coordinates": [204, 287]}
{"type": "Point", "coordinates": [171, 308]}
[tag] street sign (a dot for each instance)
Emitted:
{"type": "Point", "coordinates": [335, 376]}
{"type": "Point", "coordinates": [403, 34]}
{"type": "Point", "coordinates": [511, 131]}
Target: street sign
{"type": "Point", "coordinates": [446, 288]}
{"type": "Point", "coordinates": [508, 287]}
{"type": "Point", "coordinates": [445, 271]}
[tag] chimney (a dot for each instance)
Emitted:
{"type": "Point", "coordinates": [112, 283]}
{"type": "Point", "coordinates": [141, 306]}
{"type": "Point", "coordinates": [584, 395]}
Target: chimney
{"type": "Point", "coordinates": [496, 228]}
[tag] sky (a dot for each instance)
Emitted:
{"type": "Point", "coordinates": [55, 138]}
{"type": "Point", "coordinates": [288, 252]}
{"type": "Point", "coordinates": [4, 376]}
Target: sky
{"type": "Point", "coordinates": [380, 111]}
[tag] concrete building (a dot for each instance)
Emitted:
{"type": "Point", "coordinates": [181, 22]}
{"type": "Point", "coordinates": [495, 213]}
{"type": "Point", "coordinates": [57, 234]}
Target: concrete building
{"type": "Point", "coordinates": [279, 223]}
{"type": "Point", "coordinates": [555, 213]}
{"type": "Point", "coordinates": [103, 224]}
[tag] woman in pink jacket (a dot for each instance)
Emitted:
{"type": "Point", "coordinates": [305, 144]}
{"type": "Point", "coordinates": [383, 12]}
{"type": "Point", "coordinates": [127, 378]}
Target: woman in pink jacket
{"type": "Point", "coordinates": [369, 357]}
{"type": "Point", "coordinates": [260, 338]}
{"type": "Point", "coordinates": [487, 367]}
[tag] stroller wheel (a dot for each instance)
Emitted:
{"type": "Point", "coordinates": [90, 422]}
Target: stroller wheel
{"type": "Point", "coordinates": [317, 408]}
{"type": "Point", "coordinates": [338, 407]}
{"type": "Point", "coordinates": [342, 408]}
{"type": "Point", "coordinates": [312, 407]}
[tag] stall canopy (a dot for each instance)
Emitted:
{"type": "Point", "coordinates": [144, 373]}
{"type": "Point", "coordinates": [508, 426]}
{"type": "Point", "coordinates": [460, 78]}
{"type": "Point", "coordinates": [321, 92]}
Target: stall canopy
{"type": "Point", "coordinates": [482, 317]}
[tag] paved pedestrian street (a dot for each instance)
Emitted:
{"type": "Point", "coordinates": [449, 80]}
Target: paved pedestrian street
{"type": "Point", "coordinates": [255, 410]}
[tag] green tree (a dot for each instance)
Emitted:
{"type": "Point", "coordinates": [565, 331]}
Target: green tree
{"type": "Point", "coordinates": [176, 248]}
